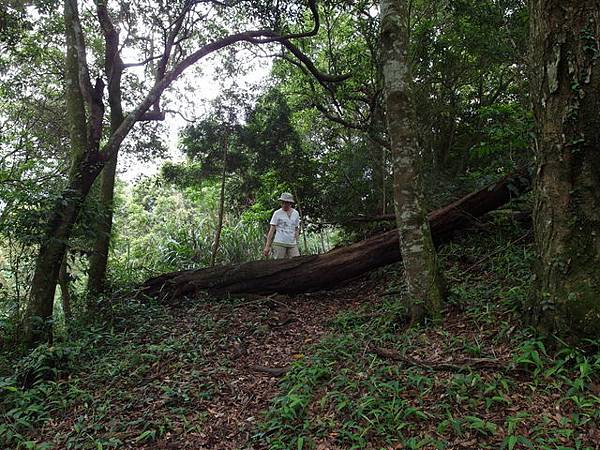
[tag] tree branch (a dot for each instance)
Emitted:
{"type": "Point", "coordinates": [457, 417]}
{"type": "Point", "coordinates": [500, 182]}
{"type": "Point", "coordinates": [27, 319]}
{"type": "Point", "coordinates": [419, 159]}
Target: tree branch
{"type": "Point", "coordinates": [84, 74]}
{"type": "Point", "coordinates": [180, 114]}
{"type": "Point", "coordinates": [142, 63]}
{"type": "Point", "coordinates": [152, 115]}
{"type": "Point", "coordinates": [449, 366]}
{"type": "Point", "coordinates": [253, 37]}
{"type": "Point", "coordinates": [345, 123]}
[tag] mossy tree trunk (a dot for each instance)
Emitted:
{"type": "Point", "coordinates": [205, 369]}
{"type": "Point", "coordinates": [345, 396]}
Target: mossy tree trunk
{"type": "Point", "coordinates": [565, 89]}
{"type": "Point", "coordinates": [64, 280]}
{"type": "Point", "coordinates": [38, 315]}
{"type": "Point", "coordinates": [424, 286]}
{"type": "Point", "coordinates": [103, 230]}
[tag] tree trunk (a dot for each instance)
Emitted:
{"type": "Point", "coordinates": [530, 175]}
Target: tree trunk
{"type": "Point", "coordinates": [378, 156]}
{"type": "Point", "coordinates": [302, 226]}
{"type": "Point", "coordinates": [565, 89]}
{"type": "Point", "coordinates": [38, 315]}
{"type": "Point", "coordinates": [65, 294]}
{"type": "Point", "coordinates": [423, 278]}
{"type": "Point", "coordinates": [113, 66]}
{"type": "Point", "coordinates": [103, 230]}
{"type": "Point", "coordinates": [311, 273]}
{"type": "Point", "coordinates": [383, 180]}
{"type": "Point", "coordinates": [215, 248]}
{"type": "Point", "coordinates": [37, 319]}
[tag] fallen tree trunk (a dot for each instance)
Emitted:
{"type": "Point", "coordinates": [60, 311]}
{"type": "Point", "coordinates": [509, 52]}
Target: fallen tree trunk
{"type": "Point", "coordinates": [315, 272]}
{"type": "Point", "coordinates": [517, 215]}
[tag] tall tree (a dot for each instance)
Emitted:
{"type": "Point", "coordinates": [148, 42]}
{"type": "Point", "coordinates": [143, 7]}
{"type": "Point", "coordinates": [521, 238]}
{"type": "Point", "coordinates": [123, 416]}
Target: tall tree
{"type": "Point", "coordinates": [470, 97]}
{"type": "Point", "coordinates": [53, 251]}
{"type": "Point", "coordinates": [565, 88]}
{"type": "Point", "coordinates": [114, 67]}
{"type": "Point", "coordinates": [182, 48]}
{"type": "Point", "coordinates": [424, 287]}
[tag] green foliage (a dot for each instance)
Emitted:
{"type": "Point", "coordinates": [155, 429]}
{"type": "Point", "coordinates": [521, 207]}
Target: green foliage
{"type": "Point", "coordinates": [35, 391]}
{"type": "Point", "coordinates": [342, 395]}
{"type": "Point", "coordinates": [265, 154]}
{"type": "Point", "coordinates": [160, 227]}
{"type": "Point", "coordinates": [530, 353]}
{"type": "Point", "coordinates": [505, 135]}
{"type": "Point", "coordinates": [145, 371]}
{"type": "Point", "coordinates": [43, 364]}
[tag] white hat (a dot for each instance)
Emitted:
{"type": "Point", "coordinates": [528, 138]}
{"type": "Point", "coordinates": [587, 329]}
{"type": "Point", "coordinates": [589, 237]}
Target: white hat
{"type": "Point", "coordinates": [286, 197]}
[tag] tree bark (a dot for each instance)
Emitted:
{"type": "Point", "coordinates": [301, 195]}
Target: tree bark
{"type": "Point", "coordinates": [314, 272]}
{"type": "Point", "coordinates": [302, 226]}
{"type": "Point", "coordinates": [383, 180]}
{"type": "Point", "coordinates": [103, 230]}
{"type": "Point", "coordinates": [378, 156]}
{"type": "Point", "coordinates": [422, 275]}
{"type": "Point", "coordinates": [565, 89]}
{"type": "Point", "coordinates": [65, 294]}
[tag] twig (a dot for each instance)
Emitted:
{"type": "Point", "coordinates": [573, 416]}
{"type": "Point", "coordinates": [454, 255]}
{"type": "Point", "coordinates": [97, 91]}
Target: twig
{"type": "Point", "coordinates": [256, 300]}
{"type": "Point", "coordinates": [273, 371]}
{"type": "Point", "coordinates": [454, 366]}
{"type": "Point", "coordinates": [287, 307]}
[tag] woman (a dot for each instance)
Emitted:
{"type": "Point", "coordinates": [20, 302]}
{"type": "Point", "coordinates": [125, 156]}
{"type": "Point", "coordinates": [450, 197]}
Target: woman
{"type": "Point", "coordinates": [282, 240]}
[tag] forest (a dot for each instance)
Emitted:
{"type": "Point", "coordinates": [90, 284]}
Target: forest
{"type": "Point", "coordinates": [310, 224]}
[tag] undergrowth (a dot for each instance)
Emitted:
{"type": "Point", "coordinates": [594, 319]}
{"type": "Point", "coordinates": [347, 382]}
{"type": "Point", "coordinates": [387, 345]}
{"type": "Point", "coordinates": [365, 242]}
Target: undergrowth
{"type": "Point", "coordinates": [134, 378]}
{"type": "Point", "coordinates": [345, 396]}
{"type": "Point", "coordinates": [97, 376]}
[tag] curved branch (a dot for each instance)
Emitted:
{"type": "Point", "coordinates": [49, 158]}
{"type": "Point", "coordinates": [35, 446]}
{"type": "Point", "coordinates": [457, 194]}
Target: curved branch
{"type": "Point", "coordinates": [345, 123]}
{"type": "Point", "coordinates": [321, 76]}
{"type": "Point", "coordinates": [253, 37]}
{"type": "Point", "coordinates": [180, 114]}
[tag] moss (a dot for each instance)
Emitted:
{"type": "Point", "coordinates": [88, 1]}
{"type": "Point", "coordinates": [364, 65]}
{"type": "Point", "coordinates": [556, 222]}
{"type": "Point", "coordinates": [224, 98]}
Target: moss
{"type": "Point", "coordinates": [581, 305]}
{"type": "Point", "coordinates": [572, 310]}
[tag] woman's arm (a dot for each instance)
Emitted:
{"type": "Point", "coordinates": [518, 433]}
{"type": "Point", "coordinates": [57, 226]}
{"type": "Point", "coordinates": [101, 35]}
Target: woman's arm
{"type": "Point", "coordinates": [270, 235]}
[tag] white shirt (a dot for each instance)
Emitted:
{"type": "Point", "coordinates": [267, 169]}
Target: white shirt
{"type": "Point", "coordinates": [285, 227]}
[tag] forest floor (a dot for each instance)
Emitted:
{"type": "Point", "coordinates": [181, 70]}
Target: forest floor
{"type": "Point", "coordinates": [191, 374]}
